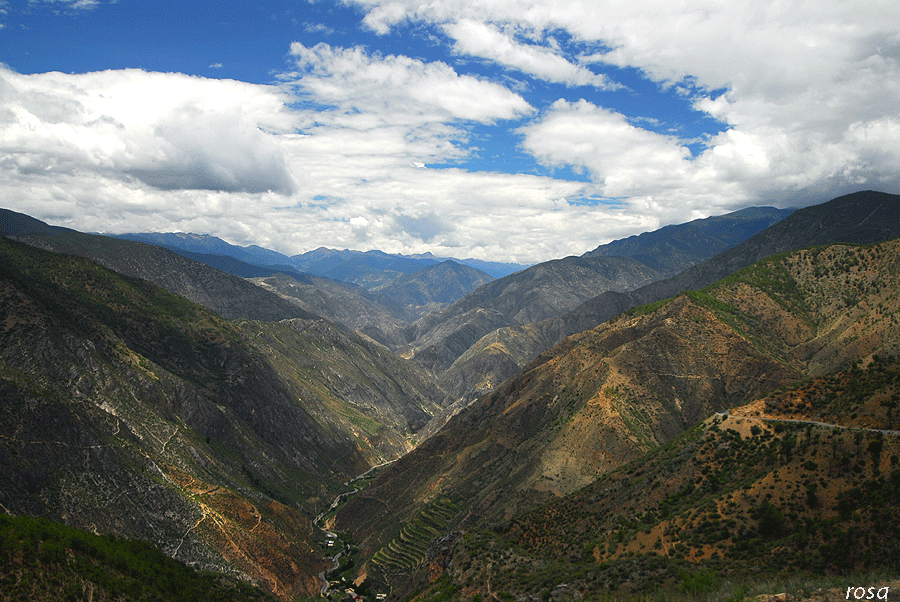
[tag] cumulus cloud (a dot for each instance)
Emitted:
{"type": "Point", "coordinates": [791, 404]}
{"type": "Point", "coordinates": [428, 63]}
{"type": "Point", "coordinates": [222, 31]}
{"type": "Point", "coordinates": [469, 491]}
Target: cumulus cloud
{"type": "Point", "coordinates": [810, 97]}
{"type": "Point", "coordinates": [170, 131]}
{"type": "Point", "coordinates": [399, 89]}
{"type": "Point", "coordinates": [624, 160]}
{"type": "Point", "coordinates": [806, 97]}
{"type": "Point", "coordinates": [343, 156]}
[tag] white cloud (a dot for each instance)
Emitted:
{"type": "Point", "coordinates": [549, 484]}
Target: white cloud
{"type": "Point", "coordinates": [808, 93]}
{"type": "Point", "coordinates": [399, 89]}
{"type": "Point", "coordinates": [131, 150]}
{"type": "Point", "coordinates": [72, 4]}
{"type": "Point", "coordinates": [625, 160]}
{"type": "Point", "coordinates": [811, 101]}
{"type": "Point", "coordinates": [170, 131]}
{"type": "Point", "coordinates": [488, 41]}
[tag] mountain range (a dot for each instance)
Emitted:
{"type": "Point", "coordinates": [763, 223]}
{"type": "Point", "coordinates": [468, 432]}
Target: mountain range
{"type": "Point", "coordinates": [130, 410]}
{"type": "Point", "coordinates": [610, 395]}
{"type": "Point", "coordinates": [520, 295]}
{"type": "Point", "coordinates": [673, 249]}
{"type": "Point", "coordinates": [861, 217]}
{"type": "Point", "coordinates": [589, 422]}
{"type": "Point", "coordinates": [365, 268]}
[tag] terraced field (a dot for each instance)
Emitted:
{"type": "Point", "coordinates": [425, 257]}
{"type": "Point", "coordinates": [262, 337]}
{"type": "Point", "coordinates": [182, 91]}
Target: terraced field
{"type": "Point", "coordinates": [407, 551]}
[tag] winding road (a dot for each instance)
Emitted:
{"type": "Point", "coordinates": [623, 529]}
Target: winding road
{"type": "Point", "coordinates": [726, 414]}
{"type": "Point", "coordinates": [318, 522]}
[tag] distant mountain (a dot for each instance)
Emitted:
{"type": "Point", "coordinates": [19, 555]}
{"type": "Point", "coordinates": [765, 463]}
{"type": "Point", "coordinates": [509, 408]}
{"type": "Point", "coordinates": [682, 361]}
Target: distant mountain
{"type": "Point", "coordinates": [209, 245]}
{"type": "Point", "coordinates": [370, 313]}
{"type": "Point", "coordinates": [229, 296]}
{"type": "Point", "coordinates": [369, 269]}
{"type": "Point", "coordinates": [131, 411]}
{"type": "Point", "coordinates": [539, 292]}
{"type": "Point", "coordinates": [372, 269]}
{"type": "Point", "coordinates": [675, 248]}
{"type": "Point", "coordinates": [451, 343]}
{"type": "Point", "coordinates": [433, 288]}
{"type": "Point", "coordinates": [861, 217]}
{"type": "Point", "coordinates": [239, 268]}
{"type": "Point", "coordinates": [383, 312]}
{"type": "Point", "coordinates": [403, 285]}
{"type": "Point", "coordinates": [495, 269]}
{"type": "Point", "coordinates": [608, 395]}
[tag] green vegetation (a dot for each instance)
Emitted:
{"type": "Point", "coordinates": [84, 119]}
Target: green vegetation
{"type": "Point", "coordinates": [488, 565]}
{"type": "Point", "coordinates": [42, 560]}
{"type": "Point", "coordinates": [649, 308]}
{"type": "Point", "coordinates": [408, 549]}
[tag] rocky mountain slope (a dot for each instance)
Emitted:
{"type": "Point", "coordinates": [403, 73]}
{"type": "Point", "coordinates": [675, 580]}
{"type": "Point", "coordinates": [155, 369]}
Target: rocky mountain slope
{"type": "Point", "coordinates": [371, 269]}
{"type": "Point", "coordinates": [386, 310]}
{"type": "Point", "coordinates": [539, 292]}
{"type": "Point", "coordinates": [606, 396]}
{"type": "Point", "coordinates": [370, 313]}
{"type": "Point", "coordinates": [862, 217]}
{"type": "Point", "coordinates": [802, 482]}
{"type": "Point", "coordinates": [398, 290]}
{"type": "Point", "coordinates": [433, 288]}
{"type": "Point", "coordinates": [132, 411]}
{"type": "Point", "coordinates": [227, 295]}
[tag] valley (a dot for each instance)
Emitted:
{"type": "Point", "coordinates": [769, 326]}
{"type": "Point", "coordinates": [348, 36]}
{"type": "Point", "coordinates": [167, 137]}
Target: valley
{"type": "Point", "coordinates": [605, 425]}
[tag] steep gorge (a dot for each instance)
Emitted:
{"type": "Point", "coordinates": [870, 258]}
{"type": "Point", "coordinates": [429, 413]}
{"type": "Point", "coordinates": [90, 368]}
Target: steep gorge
{"type": "Point", "coordinates": [131, 411]}
{"type": "Point", "coordinates": [608, 395]}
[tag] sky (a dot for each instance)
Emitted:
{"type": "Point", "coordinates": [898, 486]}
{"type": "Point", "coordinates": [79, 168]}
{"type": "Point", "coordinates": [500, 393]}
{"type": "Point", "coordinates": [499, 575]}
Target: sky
{"type": "Point", "coordinates": [503, 130]}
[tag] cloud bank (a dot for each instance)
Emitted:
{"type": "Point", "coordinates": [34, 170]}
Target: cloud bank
{"type": "Point", "coordinates": [356, 148]}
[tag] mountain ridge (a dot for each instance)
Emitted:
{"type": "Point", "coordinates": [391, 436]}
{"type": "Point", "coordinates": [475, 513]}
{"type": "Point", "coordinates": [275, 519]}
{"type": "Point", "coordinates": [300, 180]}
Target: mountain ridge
{"type": "Point", "coordinates": [674, 248]}
{"type": "Point", "coordinates": [535, 293]}
{"type": "Point", "coordinates": [607, 395]}
{"type": "Point", "coordinates": [400, 293]}
{"type": "Point", "coordinates": [133, 411]}
{"type": "Point", "coordinates": [322, 261]}
{"type": "Point", "coordinates": [229, 296]}
{"type": "Point", "coordinates": [134, 383]}
{"type": "Point", "coordinates": [861, 217]}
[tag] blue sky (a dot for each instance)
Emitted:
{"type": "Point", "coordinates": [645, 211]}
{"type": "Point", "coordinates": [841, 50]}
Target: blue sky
{"type": "Point", "coordinates": [509, 130]}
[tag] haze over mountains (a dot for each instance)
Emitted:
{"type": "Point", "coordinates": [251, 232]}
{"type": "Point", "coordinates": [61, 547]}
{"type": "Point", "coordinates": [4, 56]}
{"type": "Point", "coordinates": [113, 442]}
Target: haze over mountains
{"type": "Point", "coordinates": [218, 431]}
